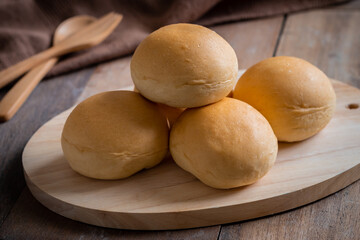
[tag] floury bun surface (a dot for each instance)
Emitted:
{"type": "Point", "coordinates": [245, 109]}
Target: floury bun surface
{"type": "Point", "coordinates": [295, 97]}
{"type": "Point", "coordinates": [113, 135]}
{"type": "Point", "coordinates": [225, 145]}
{"type": "Point", "coordinates": [184, 65]}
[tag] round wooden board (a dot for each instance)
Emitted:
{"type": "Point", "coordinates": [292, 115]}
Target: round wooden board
{"type": "Point", "coordinates": [166, 197]}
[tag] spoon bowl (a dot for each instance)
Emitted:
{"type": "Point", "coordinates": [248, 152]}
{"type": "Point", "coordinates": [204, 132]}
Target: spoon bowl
{"type": "Point", "coordinates": [71, 26]}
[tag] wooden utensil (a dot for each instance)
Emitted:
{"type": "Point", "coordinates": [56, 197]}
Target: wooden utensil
{"type": "Point", "coordinates": [18, 94]}
{"type": "Point", "coordinates": [85, 38]}
{"type": "Point", "coordinates": [167, 197]}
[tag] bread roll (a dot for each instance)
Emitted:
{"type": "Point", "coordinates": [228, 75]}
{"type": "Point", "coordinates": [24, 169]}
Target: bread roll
{"type": "Point", "coordinates": [184, 65]}
{"type": "Point", "coordinates": [113, 135]}
{"type": "Point", "coordinates": [226, 144]}
{"type": "Point", "coordinates": [294, 96]}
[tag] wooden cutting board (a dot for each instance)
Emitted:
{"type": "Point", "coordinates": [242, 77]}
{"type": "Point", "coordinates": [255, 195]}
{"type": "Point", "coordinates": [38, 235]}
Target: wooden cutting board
{"type": "Point", "coordinates": [166, 197]}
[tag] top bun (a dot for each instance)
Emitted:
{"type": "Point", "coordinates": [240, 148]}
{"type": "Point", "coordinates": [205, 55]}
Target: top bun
{"type": "Point", "coordinates": [295, 97]}
{"type": "Point", "coordinates": [184, 65]}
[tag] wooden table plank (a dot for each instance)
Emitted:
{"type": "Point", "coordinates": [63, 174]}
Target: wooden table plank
{"type": "Point", "coordinates": [28, 219]}
{"type": "Point", "coordinates": [330, 39]}
{"type": "Point", "coordinates": [252, 40]}
{"type": "Point", "coordinates": [109, 76]}
{"type": "Point", "coordinates": [49, 99]}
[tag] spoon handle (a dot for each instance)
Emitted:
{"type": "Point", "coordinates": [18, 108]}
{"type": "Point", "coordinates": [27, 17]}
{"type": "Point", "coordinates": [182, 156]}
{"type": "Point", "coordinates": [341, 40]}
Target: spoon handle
{"type": "Point", "coordinates": [11, 73]}
{"type": "Point", "coordinates": [18, 94]}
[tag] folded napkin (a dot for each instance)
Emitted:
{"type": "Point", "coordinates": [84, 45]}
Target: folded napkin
{"type": "Point", "coordinates": [27, 26]}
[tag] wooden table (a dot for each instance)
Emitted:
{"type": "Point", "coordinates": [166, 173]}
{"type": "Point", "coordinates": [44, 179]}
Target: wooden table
{"type": "Point", "coordinates": [328, 38]}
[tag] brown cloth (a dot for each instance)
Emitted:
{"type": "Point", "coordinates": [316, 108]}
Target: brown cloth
{"type": "Point", "coordinates": [27, 26]}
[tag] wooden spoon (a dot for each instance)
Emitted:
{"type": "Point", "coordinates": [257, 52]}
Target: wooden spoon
{"type": "Point", "coordinates": [14, 99]}
{"type": "Point", "coordinates": [85, 38]}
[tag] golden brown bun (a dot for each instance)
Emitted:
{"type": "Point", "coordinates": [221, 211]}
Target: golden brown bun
{"type": "Point", "coordinates": [184, 65]}
{"type": "Point", "coordinates": [113, 135]}
{"type": "Point", "coordinates": [226, 144]}
{"type": "Point", "coordinates": [294, 96]}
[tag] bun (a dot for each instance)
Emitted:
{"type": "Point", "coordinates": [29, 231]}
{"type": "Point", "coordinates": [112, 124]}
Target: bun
{"type": "Point", "coordinates": [295, 97]}
{"type": "Point", "coordinates": [184, 65]}
{"type": "Point", "coordinates": [113, 135]}
{"type": "Point", "coordinates": [226, 144]}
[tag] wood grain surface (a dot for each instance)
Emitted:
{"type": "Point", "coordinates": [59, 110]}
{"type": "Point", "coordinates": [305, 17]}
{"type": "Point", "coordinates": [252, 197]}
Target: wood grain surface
{"type": "Point", "coordinates": [167, 197]}
{"type": "Point", "coordinates": [335, 217]}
